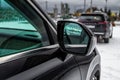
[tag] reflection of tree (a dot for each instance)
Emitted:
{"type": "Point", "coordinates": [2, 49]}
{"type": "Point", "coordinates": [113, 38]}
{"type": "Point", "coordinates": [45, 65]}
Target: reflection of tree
{"type": "Point", "coordinates": [8, 14]}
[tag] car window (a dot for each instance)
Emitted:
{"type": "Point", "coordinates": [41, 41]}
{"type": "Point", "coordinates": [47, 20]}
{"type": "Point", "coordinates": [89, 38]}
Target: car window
{"type": "Point", "coordinates": [91, 18]}
{"type": "Point", "coordinates": [17, 34]}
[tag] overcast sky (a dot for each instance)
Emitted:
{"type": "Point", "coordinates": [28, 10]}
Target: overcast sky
{"type": "Point", "coordinates": [75, 4]}
{"type": "Point", "coordinates": [95, 2]}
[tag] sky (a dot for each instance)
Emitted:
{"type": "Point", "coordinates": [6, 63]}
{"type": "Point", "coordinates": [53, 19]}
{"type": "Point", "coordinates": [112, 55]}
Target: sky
{"type": "Point", "coordinates": [95, 2]}
{"type": "Point", "coordinates": [79, 4]}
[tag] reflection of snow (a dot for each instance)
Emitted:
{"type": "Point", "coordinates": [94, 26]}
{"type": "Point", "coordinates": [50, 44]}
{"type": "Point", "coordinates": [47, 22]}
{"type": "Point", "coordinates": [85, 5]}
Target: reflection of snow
{"type": "Point", "coordinates": [110, 57]}
{"type": "Point", "coordinates": [17, 25]}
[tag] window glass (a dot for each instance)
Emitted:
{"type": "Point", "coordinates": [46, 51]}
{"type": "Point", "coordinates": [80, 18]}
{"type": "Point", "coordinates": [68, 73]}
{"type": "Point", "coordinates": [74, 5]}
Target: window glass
{"type": "Point", "coordinates": [75, 38]}
{"type": "Point", "coordinates": [74, 34]}
{"type": "Point", "coordinates": [17, 34]}
{"type": "Point", "coordinates": [91, 18]}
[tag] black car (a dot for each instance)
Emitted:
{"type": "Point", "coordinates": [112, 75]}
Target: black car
{"type": "Point", "coordinates": [32, 47]}
{"type": "Point", "coordinates": [99, 23]}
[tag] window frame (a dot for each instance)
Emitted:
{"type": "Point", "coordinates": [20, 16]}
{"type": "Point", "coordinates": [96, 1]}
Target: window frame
{"type": "Point", "coordinates": [47, 30]}
{"type": "Point", "coordinates": [52, 27]}
{"type": "Point", "coordinates": [48, 26]}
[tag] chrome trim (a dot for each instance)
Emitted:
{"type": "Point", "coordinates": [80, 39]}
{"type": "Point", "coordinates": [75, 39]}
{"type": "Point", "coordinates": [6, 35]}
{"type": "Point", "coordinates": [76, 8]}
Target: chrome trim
{"type": "Point", "coordinates": [68, 57]}
{"type": "Point", "coordinates": [98, 33]}
{"type": "Point", "coordinates": [80, 45]}
{"type": "Point", "coordinates": [23, 54]}
{"type": "Point", "coordinates": [31, 3]}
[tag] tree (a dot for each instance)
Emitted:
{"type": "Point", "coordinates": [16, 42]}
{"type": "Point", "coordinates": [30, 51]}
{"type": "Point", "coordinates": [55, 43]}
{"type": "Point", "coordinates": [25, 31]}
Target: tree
{"type": "Point", "coordinates": [119, 13]}
{"type": "Point", "coordinates": [109, 12]}
{"type": "Point", "coordinates": [101, 10]}
{"type": "Point", "coordinates": [105, 10]}
{"type": "Point", "coordinates": [93, 9]}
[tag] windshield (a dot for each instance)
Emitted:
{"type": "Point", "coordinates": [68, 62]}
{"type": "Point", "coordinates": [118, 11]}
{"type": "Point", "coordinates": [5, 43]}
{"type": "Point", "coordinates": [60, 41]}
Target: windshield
{"type": "Point", "coordinates": [91, 18]}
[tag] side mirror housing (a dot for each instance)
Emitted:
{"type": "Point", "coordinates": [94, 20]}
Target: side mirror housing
{"type": "Point", "coordinates": [75, 38]}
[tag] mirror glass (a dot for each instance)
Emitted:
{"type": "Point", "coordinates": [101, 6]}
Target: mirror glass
{"type": "Point", "coordinates": [76, 38]}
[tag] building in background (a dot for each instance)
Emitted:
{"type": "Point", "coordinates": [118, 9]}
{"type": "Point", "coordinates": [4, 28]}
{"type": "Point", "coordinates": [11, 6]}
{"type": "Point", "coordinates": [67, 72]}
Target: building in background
{"type": "Point", "coordinates": [55, 11]}
{"type": "Point", "coordinates": [65, 10]}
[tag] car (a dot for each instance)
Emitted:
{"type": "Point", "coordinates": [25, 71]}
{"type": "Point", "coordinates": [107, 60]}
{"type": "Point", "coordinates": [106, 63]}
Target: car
{"type": "Point", "coordinates": [99, 23]}
{"type": "Point", "coordinates": [33, 47]}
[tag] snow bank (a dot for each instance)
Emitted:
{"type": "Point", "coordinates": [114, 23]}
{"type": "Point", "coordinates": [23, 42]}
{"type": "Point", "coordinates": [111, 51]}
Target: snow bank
{"type": "Point", "coordinates": [117, 23]}
{"type": "Point", "coordinates": [110, 57]}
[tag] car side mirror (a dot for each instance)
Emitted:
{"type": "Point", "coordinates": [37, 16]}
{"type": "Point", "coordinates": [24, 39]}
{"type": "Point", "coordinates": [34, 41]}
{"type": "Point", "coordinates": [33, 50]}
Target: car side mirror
{"type": "Point", "coordinates": [75, 38]}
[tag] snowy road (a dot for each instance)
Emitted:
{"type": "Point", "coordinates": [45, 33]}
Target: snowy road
{"type": "Point", "coordinates": [110, 57]}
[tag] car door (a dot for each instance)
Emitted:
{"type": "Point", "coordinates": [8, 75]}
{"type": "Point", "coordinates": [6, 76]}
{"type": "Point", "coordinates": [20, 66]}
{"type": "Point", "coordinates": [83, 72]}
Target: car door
{"type": "Point", "coordinates": [24, 43]}
{"type": "Point", "coordinates": [28, 45]}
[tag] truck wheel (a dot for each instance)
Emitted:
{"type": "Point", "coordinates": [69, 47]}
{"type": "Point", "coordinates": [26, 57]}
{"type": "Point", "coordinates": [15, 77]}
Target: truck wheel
{"type": "Point", "coordinates": [106, 40]}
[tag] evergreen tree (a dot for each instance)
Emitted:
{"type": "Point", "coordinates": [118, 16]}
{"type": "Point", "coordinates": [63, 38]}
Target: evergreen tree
{"type": "Point", "coordinates": [119, 13]}
{"type": "Point", "coordinates": [109, 12]}
{"type": "Point", "coordinates": [105, 10]}
{"type": "Point", "coordinates": [101, 10]}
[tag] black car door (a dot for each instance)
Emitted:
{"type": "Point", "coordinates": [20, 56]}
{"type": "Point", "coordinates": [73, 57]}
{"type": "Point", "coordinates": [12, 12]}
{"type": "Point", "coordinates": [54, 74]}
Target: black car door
{"type": "Point", "coordinates": [28, 48]}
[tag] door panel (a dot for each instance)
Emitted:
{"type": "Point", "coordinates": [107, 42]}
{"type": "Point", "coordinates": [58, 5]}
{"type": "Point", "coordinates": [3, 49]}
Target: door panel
{"type": "Point", "coordinates": [54, 69]}
{"type": "Point", "coordinates": [19, 63]}
{"type": "Point", "coordinates": [73, 74]}
{"type": "Point", "coordinates": [38, 70]}
{"type": "Point", "coordinates": [11, 68]}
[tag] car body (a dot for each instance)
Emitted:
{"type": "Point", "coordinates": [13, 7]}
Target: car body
{"type": "Point", "coordinates": [99, 23]}
{"type": "Point", "coordinates": [31, 46]}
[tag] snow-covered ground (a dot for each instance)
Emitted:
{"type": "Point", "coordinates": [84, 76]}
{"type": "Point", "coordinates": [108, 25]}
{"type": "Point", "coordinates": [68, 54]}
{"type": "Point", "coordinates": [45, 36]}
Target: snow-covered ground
{"type": "Point", "coordinates": [110, 57]}
{"type": "Point", "coordinates": [117, 23]}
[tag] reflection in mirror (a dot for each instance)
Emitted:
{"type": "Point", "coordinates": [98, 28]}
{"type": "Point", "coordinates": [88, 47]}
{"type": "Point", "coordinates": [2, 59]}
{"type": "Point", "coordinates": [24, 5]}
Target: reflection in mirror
{"type": "Point", "coordinates": [75, 38]}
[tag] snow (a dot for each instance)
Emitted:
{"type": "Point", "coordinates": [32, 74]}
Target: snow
{"type": "Point", "coordinates": [117, 23]}
{"type": "Point", "coordinates": [110, 57]}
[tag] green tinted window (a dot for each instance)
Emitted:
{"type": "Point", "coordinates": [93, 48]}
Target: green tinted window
{"type": "Point", "coordinates": [74, 34]}
{"type": "Point", "coordinates": [17, 34]}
